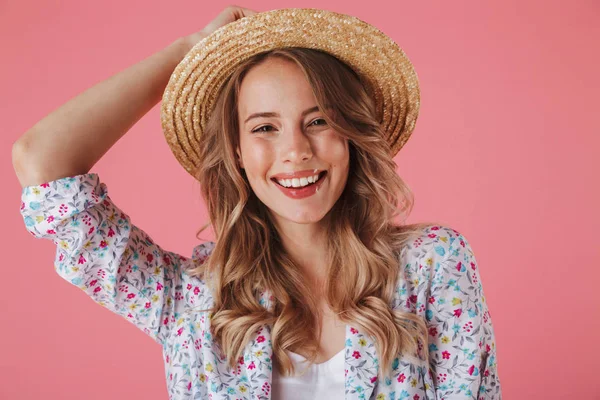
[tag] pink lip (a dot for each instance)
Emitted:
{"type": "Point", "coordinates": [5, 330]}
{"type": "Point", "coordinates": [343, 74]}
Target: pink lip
{"type": "Point", "coordinates": [300, 193]}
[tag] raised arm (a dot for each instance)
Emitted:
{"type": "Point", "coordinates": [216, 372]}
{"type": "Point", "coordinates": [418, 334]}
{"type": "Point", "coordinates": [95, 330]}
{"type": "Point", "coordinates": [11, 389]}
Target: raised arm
{"type": "Point", "coordinates": [72, 138]}
{"type": "Point", "coordinates": [98, 248]}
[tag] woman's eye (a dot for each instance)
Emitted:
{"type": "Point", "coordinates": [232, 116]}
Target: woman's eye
{"type": "Point", "coordinates": [319, 119]}
{"type": "Point", "coordinates": [259, 129]}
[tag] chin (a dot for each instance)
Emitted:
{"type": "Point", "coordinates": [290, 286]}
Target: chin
{"type": "Point", "coordinates": [301, 216]}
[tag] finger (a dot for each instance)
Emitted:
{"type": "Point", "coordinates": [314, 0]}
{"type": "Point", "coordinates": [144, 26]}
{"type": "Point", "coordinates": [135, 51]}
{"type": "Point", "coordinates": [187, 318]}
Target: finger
{"type": "Point", "coordinates": [248, 11]}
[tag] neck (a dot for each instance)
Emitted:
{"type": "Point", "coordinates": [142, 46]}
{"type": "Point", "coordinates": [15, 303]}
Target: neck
{"type": "Point", "coordinates": [306, 245]}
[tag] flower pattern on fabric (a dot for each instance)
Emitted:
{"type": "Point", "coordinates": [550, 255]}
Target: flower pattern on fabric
{"type": "Point", "coordinates": [119, 266]}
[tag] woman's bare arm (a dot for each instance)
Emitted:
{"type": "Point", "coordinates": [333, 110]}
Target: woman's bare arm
{"type": "Point", "coordinates": [72, 138]}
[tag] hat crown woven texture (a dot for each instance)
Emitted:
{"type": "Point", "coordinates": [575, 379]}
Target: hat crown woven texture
{"type": "Point", "coordinates": [384, 68]}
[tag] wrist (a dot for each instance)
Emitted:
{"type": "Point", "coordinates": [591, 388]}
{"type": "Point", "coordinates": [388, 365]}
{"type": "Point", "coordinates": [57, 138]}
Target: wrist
{"type": "Point", "coordinates": [181, 47]}
{"type": "Point", "coordinates": [189, 41]}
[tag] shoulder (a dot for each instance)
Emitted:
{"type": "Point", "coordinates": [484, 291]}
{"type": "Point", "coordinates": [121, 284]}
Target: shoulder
{"type": "Point", "coordinates": [201, 252]}
{"type": "Point", "coordinates": [191, 265]}
{"type": "Point", "coordinates": [438, 253]}
{"type": "Point", "coordinates": [436, 241]}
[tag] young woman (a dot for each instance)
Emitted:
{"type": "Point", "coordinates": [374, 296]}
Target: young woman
{"type": "Point", "coordinates": [310, 289]}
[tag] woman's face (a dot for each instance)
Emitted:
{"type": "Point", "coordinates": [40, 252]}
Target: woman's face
{"type": "Point", "coordinates": [293, 138]}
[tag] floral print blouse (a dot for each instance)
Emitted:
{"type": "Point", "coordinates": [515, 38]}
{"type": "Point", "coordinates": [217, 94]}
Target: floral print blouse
{"type": "Point", "coordinates": [119, 266]}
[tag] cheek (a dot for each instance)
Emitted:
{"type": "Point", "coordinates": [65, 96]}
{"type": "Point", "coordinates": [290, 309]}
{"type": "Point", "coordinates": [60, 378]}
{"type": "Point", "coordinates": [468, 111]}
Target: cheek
{"type": "Point", "coordinates": [257, 157]}
{"type": "Point", "coordinates": [334, 148]}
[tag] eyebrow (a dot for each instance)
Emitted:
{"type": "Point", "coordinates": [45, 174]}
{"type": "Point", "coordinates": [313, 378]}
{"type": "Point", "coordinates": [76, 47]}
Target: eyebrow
{"type": "Point", "coordinates": [274, 114]}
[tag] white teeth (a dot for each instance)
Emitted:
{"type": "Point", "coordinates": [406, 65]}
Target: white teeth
{"type": "Point", "coordinates": [298, 182]}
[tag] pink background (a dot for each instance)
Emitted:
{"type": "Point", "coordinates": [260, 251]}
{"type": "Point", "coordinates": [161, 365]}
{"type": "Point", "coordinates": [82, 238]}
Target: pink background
{"type": "Point", "coordinates": [505, 150]}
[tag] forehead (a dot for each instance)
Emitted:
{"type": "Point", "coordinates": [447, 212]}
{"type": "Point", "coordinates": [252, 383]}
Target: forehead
{"type": "Point", "coordinates": [274, 85]}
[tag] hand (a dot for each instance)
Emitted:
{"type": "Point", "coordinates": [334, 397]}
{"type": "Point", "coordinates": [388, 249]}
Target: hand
{"type": "Point", "coordinates": [228, 15]}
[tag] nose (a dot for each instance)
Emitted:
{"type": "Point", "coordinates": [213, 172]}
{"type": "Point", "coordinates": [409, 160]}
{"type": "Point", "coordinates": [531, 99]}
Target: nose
{"type": "Point", "coordinates": [296, 147]}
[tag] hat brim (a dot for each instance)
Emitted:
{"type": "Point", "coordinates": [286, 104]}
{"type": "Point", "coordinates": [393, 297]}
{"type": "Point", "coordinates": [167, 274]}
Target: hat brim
{"type": "Point", "coordinates": [386, 72]}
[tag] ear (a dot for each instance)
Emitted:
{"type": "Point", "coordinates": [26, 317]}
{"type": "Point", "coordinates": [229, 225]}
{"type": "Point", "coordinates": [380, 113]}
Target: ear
{"type": "Point", "coordinates": [240, 162]}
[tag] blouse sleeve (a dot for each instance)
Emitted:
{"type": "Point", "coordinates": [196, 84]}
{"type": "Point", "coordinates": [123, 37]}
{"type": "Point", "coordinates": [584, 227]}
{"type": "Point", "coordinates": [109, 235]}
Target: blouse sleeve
{"type": "Point", "coordinates": [98, 250]}
{"type": "Point", "coordinates": [462, 342]}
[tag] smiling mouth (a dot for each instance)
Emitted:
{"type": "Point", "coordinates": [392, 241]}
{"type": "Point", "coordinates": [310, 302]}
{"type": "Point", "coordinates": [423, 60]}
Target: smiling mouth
{"type": "Point", "coordinates": [321, 176]}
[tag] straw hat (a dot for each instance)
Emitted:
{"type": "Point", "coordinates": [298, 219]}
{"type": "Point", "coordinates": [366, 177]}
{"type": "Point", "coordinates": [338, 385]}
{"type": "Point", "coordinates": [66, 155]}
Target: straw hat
{"type": "Point", "coordinates": [385, 70]}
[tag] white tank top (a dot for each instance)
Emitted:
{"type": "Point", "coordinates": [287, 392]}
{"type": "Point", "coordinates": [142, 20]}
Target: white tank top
{"type": "Point", "coordinates": [323, 381]}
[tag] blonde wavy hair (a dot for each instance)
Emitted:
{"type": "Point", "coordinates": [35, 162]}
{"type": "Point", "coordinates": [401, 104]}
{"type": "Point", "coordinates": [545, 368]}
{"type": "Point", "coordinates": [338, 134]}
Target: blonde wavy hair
{"type": "Point", "coordinates": [364, 246]}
